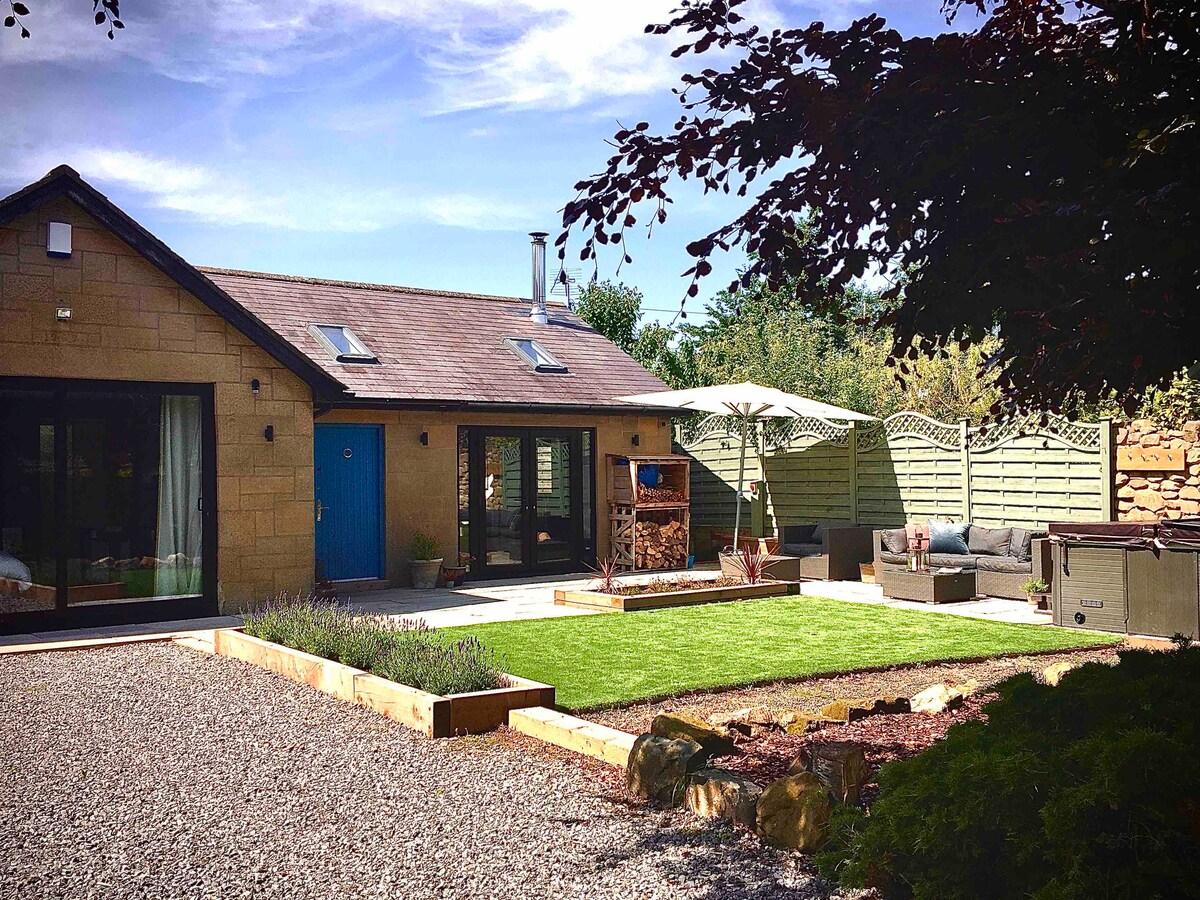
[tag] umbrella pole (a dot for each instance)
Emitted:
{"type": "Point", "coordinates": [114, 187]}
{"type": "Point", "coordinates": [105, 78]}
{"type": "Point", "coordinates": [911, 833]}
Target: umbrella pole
{"type": "Point", "coordinates": [737, 514]}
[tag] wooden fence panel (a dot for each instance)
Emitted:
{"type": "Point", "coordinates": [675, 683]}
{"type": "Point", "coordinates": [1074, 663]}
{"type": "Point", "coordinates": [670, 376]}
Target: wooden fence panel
{"type": "Point", "coordinates": [908, 468]}
{"type": "Point", "coordinates": [714, 474]}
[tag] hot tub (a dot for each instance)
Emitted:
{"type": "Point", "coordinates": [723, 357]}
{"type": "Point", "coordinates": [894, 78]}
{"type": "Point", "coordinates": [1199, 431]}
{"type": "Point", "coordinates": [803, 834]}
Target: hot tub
{"type": "Point", "coordinates": [1128, 577]}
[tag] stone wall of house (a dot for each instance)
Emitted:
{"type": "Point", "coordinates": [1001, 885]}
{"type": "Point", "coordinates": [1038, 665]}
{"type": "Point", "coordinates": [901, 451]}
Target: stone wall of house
{"type": "Point", "coordinates": [1151, 495]}
{"type": "Point", "coordinates": [423, 480]}
{"type": "Point", "coordinates": [130, 322]}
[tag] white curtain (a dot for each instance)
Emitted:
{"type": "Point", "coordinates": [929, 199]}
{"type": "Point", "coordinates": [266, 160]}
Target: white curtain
{"type": "Point", "coordinates": [179, 530]}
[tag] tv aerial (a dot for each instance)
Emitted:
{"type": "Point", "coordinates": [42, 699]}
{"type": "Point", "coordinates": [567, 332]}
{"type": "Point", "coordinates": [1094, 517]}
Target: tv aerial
{"type": "Point", "coordinates": [563, 283]}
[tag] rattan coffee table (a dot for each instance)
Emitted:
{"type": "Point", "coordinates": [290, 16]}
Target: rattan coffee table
{"type": "Point", "coordinates": [927, 587]}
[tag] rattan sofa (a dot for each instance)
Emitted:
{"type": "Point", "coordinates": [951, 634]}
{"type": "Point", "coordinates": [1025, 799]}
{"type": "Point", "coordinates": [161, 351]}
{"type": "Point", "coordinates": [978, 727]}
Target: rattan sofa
{"type": "Point", "coordinates": [996, 575]}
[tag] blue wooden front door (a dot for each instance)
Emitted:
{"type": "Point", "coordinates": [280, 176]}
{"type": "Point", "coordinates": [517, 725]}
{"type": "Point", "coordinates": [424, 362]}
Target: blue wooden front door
{"type": "Point", "coordinates": [348, 461]}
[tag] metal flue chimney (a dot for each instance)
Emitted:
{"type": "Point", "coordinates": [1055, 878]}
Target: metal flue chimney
{"type": "Point", "coordinates": [538, 313]}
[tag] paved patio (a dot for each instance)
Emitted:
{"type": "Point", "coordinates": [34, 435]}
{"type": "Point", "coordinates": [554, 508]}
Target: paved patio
{"type": "Point", "coordinates": [514, 599]}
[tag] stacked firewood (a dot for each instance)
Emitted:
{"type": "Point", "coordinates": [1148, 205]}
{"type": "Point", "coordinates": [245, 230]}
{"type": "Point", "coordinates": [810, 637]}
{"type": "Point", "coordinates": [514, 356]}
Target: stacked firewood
{"type": "Point", "coordinates": [661, 546]}
{"type": "Point", "coordinates": [647, 494]}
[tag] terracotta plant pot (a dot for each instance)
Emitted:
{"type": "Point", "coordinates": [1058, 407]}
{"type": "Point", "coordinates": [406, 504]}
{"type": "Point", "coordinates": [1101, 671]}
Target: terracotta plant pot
{"type": "Point", "coordinates": [454, 576]}
{"type": "Point", "coordinates": [425, 573]}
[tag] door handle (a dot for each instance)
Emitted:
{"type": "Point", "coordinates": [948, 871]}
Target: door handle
{"type": "Point", "coordinates": [320, 509]}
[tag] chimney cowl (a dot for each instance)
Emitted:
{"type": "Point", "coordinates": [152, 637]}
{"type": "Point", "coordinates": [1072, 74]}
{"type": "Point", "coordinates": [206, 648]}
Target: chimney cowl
{"type": "Point", "coordinates": [537, 313]}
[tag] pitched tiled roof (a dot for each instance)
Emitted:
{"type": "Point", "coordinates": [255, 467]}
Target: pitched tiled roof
{"type": "Point", "coordinates": [440, 346]}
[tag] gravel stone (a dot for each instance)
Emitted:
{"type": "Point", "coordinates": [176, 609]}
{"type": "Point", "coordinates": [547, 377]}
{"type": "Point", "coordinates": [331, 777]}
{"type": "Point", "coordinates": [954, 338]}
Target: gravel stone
{"type": "Point", "coordinates": [156, 771]}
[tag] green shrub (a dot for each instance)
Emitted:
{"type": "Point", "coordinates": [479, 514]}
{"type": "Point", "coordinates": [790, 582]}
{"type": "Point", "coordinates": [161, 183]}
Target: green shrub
{"type": "Point", "coordinates": [1086, 790]}
{"type": "Point", "coordinates": [424, 547]}
{"type": "Point", "coordinates": [407, 652]}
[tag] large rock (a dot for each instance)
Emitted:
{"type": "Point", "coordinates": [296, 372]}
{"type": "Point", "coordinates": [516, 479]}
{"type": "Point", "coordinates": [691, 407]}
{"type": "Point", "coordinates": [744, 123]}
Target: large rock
{"type": "Point", "coordinates": [797, 721]}
{"type": "Point", "coordinates": [936, 699]}
{"type": "Point", "coordinates": [793, 812]}
{"type": "Point", "coordinates": [1052, 675]}
{"type": "Point", "coordinates": [658, 767]}
{"type": "Point", "coordinates": [717, 794]}
{"type": "Point", "coordinates": [749, 722]}
{"type": "Point", "coordinates": [840, 766]}
{"type": "Point", "coordinates": [853, 710]}
{"type": "Point", "coordinates": [714, 740]}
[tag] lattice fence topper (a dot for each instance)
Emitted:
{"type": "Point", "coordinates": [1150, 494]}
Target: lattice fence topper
{"type": "Point", "coordinates": [1078, 435]}
{"type": "Point", "coordinates": [910, 424]}
{"type": "Point", "coordinates": [780, 432]}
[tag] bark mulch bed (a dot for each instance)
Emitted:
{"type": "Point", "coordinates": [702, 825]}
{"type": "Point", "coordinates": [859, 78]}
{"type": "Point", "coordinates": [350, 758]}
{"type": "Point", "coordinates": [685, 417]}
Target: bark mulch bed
{"type": "Point", "coordinates": [884, 738]}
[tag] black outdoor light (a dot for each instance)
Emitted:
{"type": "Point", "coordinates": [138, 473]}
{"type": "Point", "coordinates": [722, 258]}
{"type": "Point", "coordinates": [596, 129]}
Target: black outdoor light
{"type": "Point", "coordinates": [636, 440]}
{"type": "Point", "coordinates": [269, 433]}
{"type": "Point", "coordinates": [424, 438]}
{"type": "Point", "coordinates": [255, 386]}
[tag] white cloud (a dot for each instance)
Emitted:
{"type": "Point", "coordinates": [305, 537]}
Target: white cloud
{"type": "Point", "coordinates": [223, 198]}
{"type": "Point", "coordinates": [516, 54]}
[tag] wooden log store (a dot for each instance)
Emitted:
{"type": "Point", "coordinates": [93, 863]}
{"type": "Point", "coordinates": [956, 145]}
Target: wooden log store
{"type": "Point", "coordinates": [649, 511]}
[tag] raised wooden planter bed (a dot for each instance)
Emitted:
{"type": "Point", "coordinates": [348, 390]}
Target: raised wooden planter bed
{"type": "Point", "coordinates": [690, 597]}
{"type": "Point", "coordinates": [431, 714]}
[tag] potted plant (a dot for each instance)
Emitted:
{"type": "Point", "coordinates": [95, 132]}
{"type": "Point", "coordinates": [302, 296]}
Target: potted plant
{"type": "Point", "coordinates": [454, 576]}
{"type": "Point", "coordinates": [426, 564]}
{"type": "Point", "coordinates": [1037, 591]}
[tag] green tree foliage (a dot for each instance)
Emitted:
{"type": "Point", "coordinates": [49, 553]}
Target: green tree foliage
{"type": "Point", "coordinates": [770, 337]}
{"type": "Point", "coordinates": [1081, 791]}
{"type": "Point", "coordinates": [614, 309]}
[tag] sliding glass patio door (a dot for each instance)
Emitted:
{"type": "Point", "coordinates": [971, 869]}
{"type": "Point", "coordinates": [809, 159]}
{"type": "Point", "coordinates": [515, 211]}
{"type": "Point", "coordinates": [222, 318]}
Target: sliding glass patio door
{"type": "Point", "coordinates": [102, 512]}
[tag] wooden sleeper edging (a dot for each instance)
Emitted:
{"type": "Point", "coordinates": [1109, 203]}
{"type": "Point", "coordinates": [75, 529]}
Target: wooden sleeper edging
{"type": "Point", "coordinates": [431, 714]}
{"type": "Point", "coordinates": [666, 599]}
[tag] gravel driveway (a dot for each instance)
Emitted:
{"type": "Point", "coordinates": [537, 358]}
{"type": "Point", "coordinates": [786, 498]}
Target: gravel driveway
{"type": "Point", "coordinates": [155, 771]}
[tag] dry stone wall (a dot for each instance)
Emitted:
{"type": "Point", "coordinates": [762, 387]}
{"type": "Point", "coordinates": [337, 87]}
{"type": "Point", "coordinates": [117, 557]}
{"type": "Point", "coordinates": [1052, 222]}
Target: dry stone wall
{"type": "Point", "coordinates": [1147, 496]}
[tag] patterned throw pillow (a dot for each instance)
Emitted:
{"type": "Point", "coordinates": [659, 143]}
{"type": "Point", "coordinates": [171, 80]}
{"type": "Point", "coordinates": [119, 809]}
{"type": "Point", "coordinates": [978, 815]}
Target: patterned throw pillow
{"type": "Point", "coordinates": [945, 537]}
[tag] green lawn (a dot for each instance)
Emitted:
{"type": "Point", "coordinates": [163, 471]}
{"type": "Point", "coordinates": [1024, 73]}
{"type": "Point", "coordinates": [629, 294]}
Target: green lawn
{"type": "Point", "coordinates": [613, 658]}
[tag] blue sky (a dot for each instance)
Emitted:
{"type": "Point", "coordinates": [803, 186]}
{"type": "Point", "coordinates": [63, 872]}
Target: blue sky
{"type": "Point", "coordinates": [403, 141]}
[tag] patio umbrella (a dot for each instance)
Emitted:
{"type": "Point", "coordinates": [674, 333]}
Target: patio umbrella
{"type": "Point", "coordinates": [748, 402]}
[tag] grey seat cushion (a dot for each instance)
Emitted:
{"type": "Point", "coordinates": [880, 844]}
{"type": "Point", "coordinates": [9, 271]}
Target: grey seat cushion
{"type": "Point", "coordinates": [822, 530]}
{"type": "Point", "coordinates": [895, 540]}
{"type": "Point", "coordinates": [962, 560]}
{"type": "Point", "coordinates": [895, 559]}
{"type": "Point", "coordinates": [797, 534]}
{"type": "Point", "coordinates": [1005, 565]}
{"type": "Point", "coordinates": [1021, 545]}
{"type": "Point", "coordinates": [803, 549]}
{"type": "Point", "coordinates": [989, 541]}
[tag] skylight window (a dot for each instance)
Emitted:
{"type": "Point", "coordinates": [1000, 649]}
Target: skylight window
{"type": "Point", "coordinates": [342, 343]}
{"type": "Point", "coordinates": [536, 355]}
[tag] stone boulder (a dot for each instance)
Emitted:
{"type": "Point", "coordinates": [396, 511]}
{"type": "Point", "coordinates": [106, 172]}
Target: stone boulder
{"type": "Point", "coordinates": [713, 739]}
{"type": "Point", "coordinates": [793, 812]}
{"type": "Point", "coordinates": [862, 708]}
{"type": "Point", "coordinates": [797, 721]}
{"type": "Point", "coordinates": [1052, 675]}
{"type": "Point", "coordinates": [936, 699]}
{"type": "Point", "coordinates": [749, 722]}
{"type": "Point", "coordinates": [658, 767]}
{"type": "Point", "coordinates": [717, 794]}
{"type": "Point", "coordinates": [840, 766]}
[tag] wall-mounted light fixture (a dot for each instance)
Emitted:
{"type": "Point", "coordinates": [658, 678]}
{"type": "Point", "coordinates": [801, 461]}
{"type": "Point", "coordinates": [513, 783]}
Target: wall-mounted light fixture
{"type": "Point", "coordinates": [269, 433]}
{"type": "Point", "coordinates": [63, 314]}
{"type": "Point", "coordinates": [636, 440]}
{"type": "Point", "coordinates": [424, 438]}
{"type": "Point", "coordinates": [255, 386]}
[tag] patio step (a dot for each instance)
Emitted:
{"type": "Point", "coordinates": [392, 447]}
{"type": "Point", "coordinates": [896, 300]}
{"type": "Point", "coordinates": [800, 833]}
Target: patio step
{"type": "Point", "coordinates": [572, 733]}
